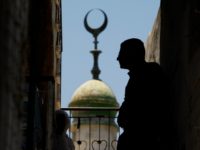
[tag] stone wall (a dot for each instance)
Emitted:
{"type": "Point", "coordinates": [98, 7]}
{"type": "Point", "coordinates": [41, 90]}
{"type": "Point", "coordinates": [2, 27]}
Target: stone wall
{"type": "Point", "coordinates": [29, 62]}
{"type": "Point", "coordinates": [152, 43]}
{"type": "Point", "coordinates": [179, 56]}
{"type": "Point", "coordinates": [13, 38]}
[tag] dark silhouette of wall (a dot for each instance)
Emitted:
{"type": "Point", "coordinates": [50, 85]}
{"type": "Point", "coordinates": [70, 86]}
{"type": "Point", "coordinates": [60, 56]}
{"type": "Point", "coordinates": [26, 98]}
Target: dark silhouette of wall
{"type": "Point", "coordinates": [179, 56]}
{"type": "Point", "coordinates": [30, 43]}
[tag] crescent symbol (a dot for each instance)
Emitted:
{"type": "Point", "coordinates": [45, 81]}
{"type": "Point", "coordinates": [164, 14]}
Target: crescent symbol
{"type": "Point", "coordinates": [95, 31]}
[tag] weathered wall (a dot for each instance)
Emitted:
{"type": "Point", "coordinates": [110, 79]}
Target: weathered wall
{"type": "Point", "coordinates": [30, 44]}
{"type": "Point", "coordinates": [179, 56]}
{"type": "Point", "coordinates": [152, 44]}
{"type": "Point", "coordinates": [13, 29]}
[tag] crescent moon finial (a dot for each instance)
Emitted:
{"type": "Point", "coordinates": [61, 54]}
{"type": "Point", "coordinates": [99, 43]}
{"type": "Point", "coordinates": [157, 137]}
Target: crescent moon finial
{"type": "Point", "coordinates": [96, 31]}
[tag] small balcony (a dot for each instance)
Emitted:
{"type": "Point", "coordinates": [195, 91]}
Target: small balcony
{"type": "Point", "coordinates": [93, 128]}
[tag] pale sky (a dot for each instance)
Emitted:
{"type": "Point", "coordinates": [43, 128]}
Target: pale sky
{"type": "Point", "coordinates": [126, 19]}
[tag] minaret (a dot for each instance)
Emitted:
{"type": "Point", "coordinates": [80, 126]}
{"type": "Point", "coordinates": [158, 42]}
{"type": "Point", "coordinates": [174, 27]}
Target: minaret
{"type": "Point", "coordinates": [94, 129]}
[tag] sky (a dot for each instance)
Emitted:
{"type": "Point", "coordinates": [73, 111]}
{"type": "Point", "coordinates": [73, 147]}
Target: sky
{"type": "Point", "coordinates": [126, 19]}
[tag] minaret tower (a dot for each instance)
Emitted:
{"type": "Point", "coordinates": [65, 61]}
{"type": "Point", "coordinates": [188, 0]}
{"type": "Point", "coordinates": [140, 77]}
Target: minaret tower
{"type": "Point", "coordinates": [94, 129]}
{"type": "Point", "coordinates": [95, 32]}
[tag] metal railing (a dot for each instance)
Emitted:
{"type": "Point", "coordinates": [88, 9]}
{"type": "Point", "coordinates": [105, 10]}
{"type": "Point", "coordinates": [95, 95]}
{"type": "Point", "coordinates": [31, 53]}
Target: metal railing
{"type": "Point", "coordinates": [93, 128]}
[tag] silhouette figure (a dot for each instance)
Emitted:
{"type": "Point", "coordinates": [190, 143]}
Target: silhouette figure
{"type": "Point", "coordinates": [144, 113]}
{"type": "Point", "coordinates": [61, 140]}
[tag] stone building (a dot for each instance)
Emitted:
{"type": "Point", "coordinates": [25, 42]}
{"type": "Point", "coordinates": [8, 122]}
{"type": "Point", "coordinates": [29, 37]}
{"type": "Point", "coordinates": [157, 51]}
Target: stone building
{"type": "Point", "coordinates": [175, 43]}
{"type": "Point", "coordinates": [31, 46]}
{"type": "Point", "coordinates": [93, 124]}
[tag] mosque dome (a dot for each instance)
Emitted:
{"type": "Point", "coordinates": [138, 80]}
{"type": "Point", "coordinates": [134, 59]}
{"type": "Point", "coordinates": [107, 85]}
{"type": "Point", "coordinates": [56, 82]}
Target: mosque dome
{"type": "Point", "coordinates": [94, 93]}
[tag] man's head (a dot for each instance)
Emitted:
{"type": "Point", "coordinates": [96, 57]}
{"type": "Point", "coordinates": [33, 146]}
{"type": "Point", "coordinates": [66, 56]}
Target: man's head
{"type": "Point", "coordinates": [131, 54]}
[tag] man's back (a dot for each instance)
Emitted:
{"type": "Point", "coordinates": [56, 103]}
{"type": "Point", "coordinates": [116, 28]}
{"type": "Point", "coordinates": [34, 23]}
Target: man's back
{"type": "Point", "coordinates": [143, 98]}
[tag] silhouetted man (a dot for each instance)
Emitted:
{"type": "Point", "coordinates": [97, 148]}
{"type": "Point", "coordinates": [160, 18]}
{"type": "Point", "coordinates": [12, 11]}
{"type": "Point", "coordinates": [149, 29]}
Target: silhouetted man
{"type": "Point", "coordinates": [143, 114]}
